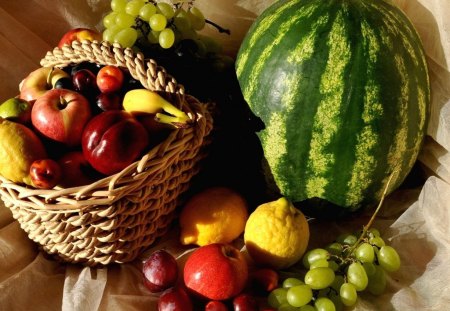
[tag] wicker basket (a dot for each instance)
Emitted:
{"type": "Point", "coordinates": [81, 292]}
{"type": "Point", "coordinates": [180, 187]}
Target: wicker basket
{"type": "Point", "coordinates": [114, 219]}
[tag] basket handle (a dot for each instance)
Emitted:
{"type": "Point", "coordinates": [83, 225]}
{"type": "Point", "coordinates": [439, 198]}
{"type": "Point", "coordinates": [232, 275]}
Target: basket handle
{"type": "Point", "coordinates": [151, 76]}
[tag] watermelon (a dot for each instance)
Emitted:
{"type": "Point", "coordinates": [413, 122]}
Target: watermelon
{"type": "Point", "coordinates": [343, 91]}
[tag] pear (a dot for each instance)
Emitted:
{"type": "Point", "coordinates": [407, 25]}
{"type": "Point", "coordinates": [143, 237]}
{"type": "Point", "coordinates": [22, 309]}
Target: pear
{"type": "Point", "coordinates": [16, 109]}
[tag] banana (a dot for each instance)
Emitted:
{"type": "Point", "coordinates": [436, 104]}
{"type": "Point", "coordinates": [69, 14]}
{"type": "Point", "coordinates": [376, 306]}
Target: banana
{"type": "Point", "coordinates": [146, 101]}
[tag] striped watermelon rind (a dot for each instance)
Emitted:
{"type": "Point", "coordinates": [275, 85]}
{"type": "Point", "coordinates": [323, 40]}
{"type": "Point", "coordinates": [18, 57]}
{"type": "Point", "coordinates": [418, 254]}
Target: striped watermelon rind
{"type": "Point", "coordinates": [343, 90]}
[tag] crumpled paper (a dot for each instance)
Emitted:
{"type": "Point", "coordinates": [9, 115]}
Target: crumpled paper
{"type": "Point", "coordinates": [415, 220]}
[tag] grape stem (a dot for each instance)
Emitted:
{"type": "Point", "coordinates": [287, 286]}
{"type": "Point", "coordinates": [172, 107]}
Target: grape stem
{"type": "Point", "coordinates": [218, 27]}
{"type": "Point", "coordinates": [372, 219]}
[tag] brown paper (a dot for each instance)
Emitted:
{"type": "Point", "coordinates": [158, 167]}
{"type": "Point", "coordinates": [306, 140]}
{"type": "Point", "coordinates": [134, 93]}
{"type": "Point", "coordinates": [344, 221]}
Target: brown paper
{"type": "Point", "coordinates": [416, 222]}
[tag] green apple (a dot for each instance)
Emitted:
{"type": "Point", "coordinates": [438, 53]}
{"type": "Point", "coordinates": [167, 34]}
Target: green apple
{"type": "Point", "coordinates": [17, 110]}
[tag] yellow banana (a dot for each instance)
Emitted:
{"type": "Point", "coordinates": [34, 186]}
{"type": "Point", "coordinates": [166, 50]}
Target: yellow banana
{"type": "Point", "coordinates": [143, 100]}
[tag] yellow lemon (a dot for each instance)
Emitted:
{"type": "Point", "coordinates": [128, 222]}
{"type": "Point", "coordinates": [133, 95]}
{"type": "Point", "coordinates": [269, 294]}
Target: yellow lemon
{"type": "Point", "coordinates": [215, 215]}
{"type": "Point", "coordinates": [19, 147]}
{"type": "Point", "coordinates": [276, 234]}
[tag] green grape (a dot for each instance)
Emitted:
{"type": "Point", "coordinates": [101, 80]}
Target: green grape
{"type": "Point", "coordinates": [287, 307]}
{"type": "Point", "coordinates": [377, 282]}
{"type": "Point", "coordinates": [319, 278]}
{"type": "Point", "coordinates": [182, 22]}
{"type": "Point", "coordinates": [134, 7]}
{"type": "Point", "coordinates": [388, 258]}
{"type": "Point", "coordinates": [365, 253]}
{"type": "Point", "coordinates": [153, 36]}
{"type": "Point", "coordinates": [377, 241]}
{"type": "Point", "coordinates": [157, 22]}
{"type": "Point", "coordinates": [307, 308]}
{"type": "Point", "coordinates": [124, 20]}
{"type": "Point", "coordinates": [319, 263]}
{"type": "Point", "coordinates": [334, 248]}
{"type": "Point", "coordinates": [370, 268]}
{"type": "Point", "coordinates": [166, 38]}
{"type": "Point", "coordinates": [357, 276]}
{"type": "Point", "coordinates": [337, 282]}
{"type": "Point", "coordinates": [333, 265]}
{"type": "Point", "coordinates": [126, 37]}
{"type": "Point", "coordinates": [290, 282]}
{"type": "Point", "coordinates": [336, 299]}
{"type": "Point", "coordinates": [374, 232]}
{"type": "Point", "coordinates": [147, 11]}
{"type": "Point", "coordinates": [277, 297]}
{"type": "Point", "coordinates": [299, 295]}
{"type": "Point", "coordinates": [165, 9]}
{"type": "Point", "coordinates": [197, 19]}
{"type": "Point", "coordinates": [313, 255]}
{"type": "Point", "coordinates": [118, 5]}
{"type": "Point", "coordinates": [110, 33]}
{"type": "Point", "coordinates": [348, 294]}
{"type": "Point", "coordinates": [109, 19]}
{"type": "Point", "coordinates": [347, 239]}
{"type": "Point", "coordinates": [324, 304]}
{"type": "Point", "coordinates": [212, 46]}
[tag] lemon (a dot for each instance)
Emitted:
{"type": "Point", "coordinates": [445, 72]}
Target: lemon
{"type": "Point", "coordinates": [215, 215]}
{"type": "Point", "coordinates": [276, 234]}
{"type": "Point", "coordinates": [19, 147]}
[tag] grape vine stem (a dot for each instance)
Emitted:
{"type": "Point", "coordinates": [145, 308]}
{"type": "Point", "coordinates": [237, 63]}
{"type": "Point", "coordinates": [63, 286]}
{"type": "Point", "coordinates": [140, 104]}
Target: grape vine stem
{"type": "Point", "coordinates": [374, 215]}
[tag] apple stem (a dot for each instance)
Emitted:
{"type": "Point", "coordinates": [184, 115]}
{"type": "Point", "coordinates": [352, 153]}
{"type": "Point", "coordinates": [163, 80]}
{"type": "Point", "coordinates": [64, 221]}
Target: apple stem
{"type": "Point", "coordinates": [62, 103]}
{"type": "Point", "coordinates": [174, 121]}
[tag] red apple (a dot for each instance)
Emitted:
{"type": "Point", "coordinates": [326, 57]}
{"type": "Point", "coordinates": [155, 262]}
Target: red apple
{"type": "Point", "coordinates": [175, 299]}
{"type": "Point", "coordinates": [216, 271]}
{"type": "Point", "coordinates": [110, 79]}
{"type": "Point", "coordinates": [245, 302]}
{"type": "Point", "coordinates": [113, 140]}
{"type": "Point", "coordinates": [215, 305]}
{"type": "Point", "coordinates": [39, 81]}
{"type": "Point", "coordinates": [264, 280]}
{"type": "Point", "coordinates": [76, 170]}
{"type": "Point", "coordinates": [79, 34]}
{"type": "Point", "coordinates": [160, 271]}
{"type": "Point", "coordinates": [61, 115]}
{"type": "Point", "coordinates": [45, 173]}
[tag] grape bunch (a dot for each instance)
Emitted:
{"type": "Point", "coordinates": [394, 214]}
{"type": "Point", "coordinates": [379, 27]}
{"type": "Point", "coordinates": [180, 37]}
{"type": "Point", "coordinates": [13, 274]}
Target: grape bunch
{"type": "Point", "coordinates": [134, 23]}
{"type": "Point", "coordinates": [337, 273]}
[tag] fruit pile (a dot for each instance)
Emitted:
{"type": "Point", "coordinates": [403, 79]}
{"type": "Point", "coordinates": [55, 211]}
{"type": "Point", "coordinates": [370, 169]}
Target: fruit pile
{"type": "Point", "coordinates": [271, 269]}
{"type": "Point", "coordinates": [75, 125]}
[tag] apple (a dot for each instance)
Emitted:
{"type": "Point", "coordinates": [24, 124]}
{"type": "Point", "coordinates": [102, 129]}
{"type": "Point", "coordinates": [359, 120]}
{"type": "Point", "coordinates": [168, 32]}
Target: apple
{"type": "Point", "coordinates": [110, 79]}
{"type": "Point", "coordinates": [245, 302]}
{"type": "Point", "coordinates": [45, 173]}
{"type": "Point", "coordinates": [175, 299]}
{"type": "Point", "coordinates": [76, 170]}
{"type": "Point", "coordinates": [39, 81]}
{"type": "Point", "coordinates": [79, 34]}
{"type": "Point", "coordinates": [263, 280]}
{"type": "Point", "coordinates": [215, 305]}
{"type": "Point", "coordinates": [216, 271]}
{"type": "Point", "coordinates": [160, 271]}
{"type": "Point", "coordinates": [61, 115]}
{"type": "Point", "coordinates": [112, 140]}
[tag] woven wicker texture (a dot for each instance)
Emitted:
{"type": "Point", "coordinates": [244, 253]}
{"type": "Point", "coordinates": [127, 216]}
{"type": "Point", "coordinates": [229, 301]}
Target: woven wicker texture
{"type": "Point", "coordinates": [114, 219]}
